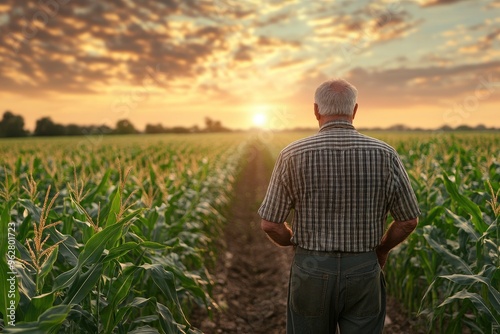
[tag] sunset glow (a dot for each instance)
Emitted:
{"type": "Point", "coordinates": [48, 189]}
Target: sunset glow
{"type": "Point", "coordinates": [422, 63]}
{"type": "Point", "coordinates": [259, 120]}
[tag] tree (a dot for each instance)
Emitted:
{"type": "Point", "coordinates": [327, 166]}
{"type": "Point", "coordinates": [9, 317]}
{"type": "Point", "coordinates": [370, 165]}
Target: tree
{"type": "Point", "coordinates": [97, 130]}
{"type": "Point", "coordinates": [179, 129]}
{"type": "Point", "coordinates": [12, 125]}
{"type": "Point", "coordinates": [209, 124]}
{"type": "Point", "coordinates": [46, 127]}
{"type": "Point", "coordinates": [463, 128]}
{"type": "Point", "coordinates": [74, 130]}
{"type": "Point", "coordinates": [214, 126]}
{"type": "Point", "coordinates": [446, 128]}
{"type": "Point", "coordinates": [125, 127]}
{"type": "Point", "coordinates": [158, 128]}
{"type": "Point", "coordinates": [398, 127]}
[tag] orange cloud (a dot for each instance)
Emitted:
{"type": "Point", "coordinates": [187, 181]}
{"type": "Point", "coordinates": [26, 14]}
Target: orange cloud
{"type": "Point", "coordinates": [429, 3]}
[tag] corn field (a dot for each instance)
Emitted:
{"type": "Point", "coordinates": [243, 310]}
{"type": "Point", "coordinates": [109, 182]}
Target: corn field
{"type": "Point", "coordinates": [116, 235]}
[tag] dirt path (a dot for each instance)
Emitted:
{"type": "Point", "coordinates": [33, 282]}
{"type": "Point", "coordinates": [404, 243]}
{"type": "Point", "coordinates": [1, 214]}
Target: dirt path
{"type": "Point", "coordinates": [252, 273]}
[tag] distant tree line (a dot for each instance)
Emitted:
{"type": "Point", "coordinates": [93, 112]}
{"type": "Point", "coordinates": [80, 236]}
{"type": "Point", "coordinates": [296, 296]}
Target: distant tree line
{"type": "Point", "coordinates": [12, 125]}
{"type": "Point", "coordinates": [444, 128]}
{"type": "Point", "coordinates": [46, 127]}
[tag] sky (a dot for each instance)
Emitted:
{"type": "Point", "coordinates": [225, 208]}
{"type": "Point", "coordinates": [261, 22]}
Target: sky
{"type": "Point", "coordinates": [421, 63]}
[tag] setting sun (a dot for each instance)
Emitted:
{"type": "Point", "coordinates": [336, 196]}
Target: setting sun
{"type": "Point", "coordinates": [259, 119]}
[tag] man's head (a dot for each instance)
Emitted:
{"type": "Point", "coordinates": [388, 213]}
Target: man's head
{"type": "Point", "coordinates": [335, 98]}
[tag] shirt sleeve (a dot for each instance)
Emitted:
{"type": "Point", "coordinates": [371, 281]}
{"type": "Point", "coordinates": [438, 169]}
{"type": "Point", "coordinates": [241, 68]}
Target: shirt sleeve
{"type": "Point", "coordinates": [404, 204]}
{"type": "Point", "coordinates": [277, 202]}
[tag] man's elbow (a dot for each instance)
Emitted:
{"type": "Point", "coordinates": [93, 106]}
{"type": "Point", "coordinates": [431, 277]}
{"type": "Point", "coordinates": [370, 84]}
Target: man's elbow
{"type": "Point", "coordinates": [409, 225]}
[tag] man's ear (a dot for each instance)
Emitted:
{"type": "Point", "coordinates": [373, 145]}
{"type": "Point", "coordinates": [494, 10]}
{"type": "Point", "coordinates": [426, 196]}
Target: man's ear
{"type": "Point", "coordinates": [316, 112]}
{"type": "Point", "coordinates": [354, 111]}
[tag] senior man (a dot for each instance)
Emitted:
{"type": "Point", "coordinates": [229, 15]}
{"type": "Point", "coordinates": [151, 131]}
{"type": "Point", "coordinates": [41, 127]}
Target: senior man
{"type": "Point", "coordinates": [341, 186]}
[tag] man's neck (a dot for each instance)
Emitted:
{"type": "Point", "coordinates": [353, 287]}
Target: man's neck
{"type": "Point", "coordinates": [329, 118]}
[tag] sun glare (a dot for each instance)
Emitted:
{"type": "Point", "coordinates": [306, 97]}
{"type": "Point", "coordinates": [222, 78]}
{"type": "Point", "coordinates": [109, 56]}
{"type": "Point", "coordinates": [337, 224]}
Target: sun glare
{"type": "Point", "coordinates": [259, 120]}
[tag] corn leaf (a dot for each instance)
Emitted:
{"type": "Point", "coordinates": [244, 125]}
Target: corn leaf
{"type": "Point", "coordinates": [119, 251]}
{"type": "Point", "coordinates": [145, 330]}
{"type": "Point", "coordinates": [464, 225]}
{"type": "Point", "coordinates": [454, 260]}
{"type": "Point", "coordinates": [476, 300]}
{"type": "Point", "coordinates": [164, 280]}
{"type": "Point", "coordinates": [38, 305]}
{"type": "Point", "coordinates": [118, 292]}
{"type": "Point", "coordinates": [99, 189]}
{"type": "Point", "coordinates": [83, 285]}
{"type": "Point", "coordinates": [470, 207]}
{"type": "Point", "coordinates": [68, 248]}
{"type": "Point", "coordinates": [114, 208]}
{"type": "Point", "coordinates": [167, 321]}
{"type": "Point", "coordinates": [48, 322]}
{"type": "Point", "coordinates": [34, 210]}
{"type": "Point", "coordinates": [48, 264]}
{"type": "Point", "coordinates": [469, 280]}
{"type": "Point", "coordinates": [90, 254]}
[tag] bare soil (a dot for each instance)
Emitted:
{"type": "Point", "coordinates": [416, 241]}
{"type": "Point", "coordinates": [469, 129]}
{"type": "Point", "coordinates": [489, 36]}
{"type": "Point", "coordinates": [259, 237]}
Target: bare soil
{"type": "Point", "coordinates": [251, 274]}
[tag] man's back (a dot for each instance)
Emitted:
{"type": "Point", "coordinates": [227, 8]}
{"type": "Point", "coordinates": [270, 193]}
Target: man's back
{"type": "Point", "coordinates": [341, 184]}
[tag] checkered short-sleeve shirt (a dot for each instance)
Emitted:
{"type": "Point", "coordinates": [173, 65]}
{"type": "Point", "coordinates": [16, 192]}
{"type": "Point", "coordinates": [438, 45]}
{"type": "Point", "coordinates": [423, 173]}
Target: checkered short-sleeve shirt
{"type": "Point", "coordinates": [341, 185]}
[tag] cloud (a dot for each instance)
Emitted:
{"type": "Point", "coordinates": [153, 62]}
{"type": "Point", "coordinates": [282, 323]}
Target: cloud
{"type": "Point", "coordinates": [434, 86]}
{"type": "Point", "coordinates": [76, 47]}
{"type": "Point", "coordinates": [483, 43]}
{"type": "Point", "coordinates": [231, 9]}
{"type": "Point", "coordinates": [403, 87]}
{"type": "Point", "coordinates": [244, 53]}
{"type": "Point", "coordinates": [493, 4]}
{"type": "Point", "coordinates": [357, 30]}
{"type": "Point", "coordinates": [288, 62]}
{"type": "Point", "coordinates": [430, 3]}
{"type": "Point", "coordinates": [82, 47]}
{"type": "Point", "coordinates": [278, 18]}
{"type": "Point", "coordinates": [474, 43]}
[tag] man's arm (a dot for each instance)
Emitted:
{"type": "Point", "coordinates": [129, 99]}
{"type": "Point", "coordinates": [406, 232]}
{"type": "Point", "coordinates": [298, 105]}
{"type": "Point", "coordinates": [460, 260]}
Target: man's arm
{"type": "Point", "coordinates": [278, 233]}
{"type": "Point", "coordinates": [397, 232]}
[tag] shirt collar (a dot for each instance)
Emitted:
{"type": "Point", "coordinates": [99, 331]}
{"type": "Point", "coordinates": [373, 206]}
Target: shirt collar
{"type": "Point", "coordinates": [336, 124]}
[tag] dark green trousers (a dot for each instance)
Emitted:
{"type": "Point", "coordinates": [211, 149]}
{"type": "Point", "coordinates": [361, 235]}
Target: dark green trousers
{"type": "Point", "coordinates": [327, 290]}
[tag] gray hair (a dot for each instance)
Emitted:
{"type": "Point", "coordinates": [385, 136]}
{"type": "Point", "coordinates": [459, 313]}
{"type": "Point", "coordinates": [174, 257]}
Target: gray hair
{"type": "Point", "coordinates": [336, 97]}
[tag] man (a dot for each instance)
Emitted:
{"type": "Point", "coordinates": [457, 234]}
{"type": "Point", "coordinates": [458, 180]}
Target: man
{"type": "Point", "coordinates": [341, 185]}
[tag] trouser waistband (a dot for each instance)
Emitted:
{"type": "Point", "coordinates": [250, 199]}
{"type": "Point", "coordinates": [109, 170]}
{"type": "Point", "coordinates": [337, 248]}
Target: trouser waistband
{"type": "Point", "coordinates": [300, 250]}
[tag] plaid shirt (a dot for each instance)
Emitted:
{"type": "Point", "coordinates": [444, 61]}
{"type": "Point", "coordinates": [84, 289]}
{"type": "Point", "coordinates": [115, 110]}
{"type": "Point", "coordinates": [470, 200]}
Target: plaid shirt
{"type": "Point", "coordinates": [341, 185]}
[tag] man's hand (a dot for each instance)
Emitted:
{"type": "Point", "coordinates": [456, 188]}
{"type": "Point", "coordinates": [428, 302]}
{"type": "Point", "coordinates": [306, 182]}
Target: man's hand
{"type": "Point", "coordinates": [395, 234]}
{"type": "Point", "coordinates": [382, 257]}
{"type": "Point", "coordinates": [278, 233]}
